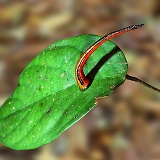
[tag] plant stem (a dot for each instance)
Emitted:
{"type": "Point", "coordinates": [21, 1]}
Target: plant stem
{"type": "Point", "coordinates": [135, 79]}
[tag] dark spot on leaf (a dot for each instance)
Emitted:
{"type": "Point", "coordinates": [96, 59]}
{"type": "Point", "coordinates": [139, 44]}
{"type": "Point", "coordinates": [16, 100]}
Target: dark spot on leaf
{"type": "Point", "coordinates": [41, 104]}
{"type": "Point", "coordinates": [65, 112]}
{"type": "Point", "coordinates": [41, 88]}
{"type": "Point", "coordinates": [37, 71]}
{"type": "Point", "coordinates": [48, 110]}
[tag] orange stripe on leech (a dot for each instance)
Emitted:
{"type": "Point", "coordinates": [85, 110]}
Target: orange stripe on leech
{"type": "Point", "coordinates": [103, 41]}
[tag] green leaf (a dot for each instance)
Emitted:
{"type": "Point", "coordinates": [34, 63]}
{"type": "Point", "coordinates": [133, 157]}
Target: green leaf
{"type": "Point", "coordinates": [47, 99]}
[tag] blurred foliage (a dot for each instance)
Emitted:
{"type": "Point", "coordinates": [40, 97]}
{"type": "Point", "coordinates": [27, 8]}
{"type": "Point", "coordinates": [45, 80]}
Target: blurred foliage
{"type": "Point", "coordinates": [122, 126]}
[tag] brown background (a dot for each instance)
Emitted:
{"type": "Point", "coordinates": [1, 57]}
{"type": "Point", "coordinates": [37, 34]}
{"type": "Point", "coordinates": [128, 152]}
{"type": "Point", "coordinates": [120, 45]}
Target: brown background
{"type": "Point", "coordinates": [124, 126]}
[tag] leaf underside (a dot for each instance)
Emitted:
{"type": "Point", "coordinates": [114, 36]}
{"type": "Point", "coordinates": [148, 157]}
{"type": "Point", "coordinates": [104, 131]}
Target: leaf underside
{"type": "Point", "coordinates": [47, 99]}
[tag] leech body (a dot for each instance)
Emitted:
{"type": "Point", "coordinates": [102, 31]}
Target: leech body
{"type": "Point", "coordinates": [82, 81]}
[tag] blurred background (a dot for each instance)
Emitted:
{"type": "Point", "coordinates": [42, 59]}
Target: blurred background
{"type": "Point", "coordinates": [124, 126]}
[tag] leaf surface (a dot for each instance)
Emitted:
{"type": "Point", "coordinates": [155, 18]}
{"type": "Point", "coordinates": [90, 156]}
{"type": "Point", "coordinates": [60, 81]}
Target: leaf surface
{"type": "Point", "coordinates": [47, 99]}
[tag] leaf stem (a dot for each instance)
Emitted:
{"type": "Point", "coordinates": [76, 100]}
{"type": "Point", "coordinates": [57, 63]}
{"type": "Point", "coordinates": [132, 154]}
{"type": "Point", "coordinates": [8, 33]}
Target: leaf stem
{"type": "Point", "coordinates": [135, 79]}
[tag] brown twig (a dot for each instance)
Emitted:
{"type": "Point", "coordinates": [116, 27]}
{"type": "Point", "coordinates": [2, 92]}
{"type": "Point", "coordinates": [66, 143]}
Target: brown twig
{"type": "Point", "coordinates": [135, 79]}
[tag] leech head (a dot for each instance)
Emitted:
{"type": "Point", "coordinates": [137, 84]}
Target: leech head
{"type": "Point", "coordinates": [136, 26]}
